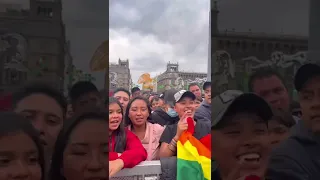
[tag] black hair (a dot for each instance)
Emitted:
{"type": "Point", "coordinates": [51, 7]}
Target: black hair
{"type": "Point", "coordinates": [123, 90]}
{"type": "Point", "coordinates": [63, 138]}
{"type": "Point", "coordinates": [135, 89]}
{"type": "Point", "coordinates": [234, 109]}
{"type": "Point", "coordinates": [120, 133]}
{"type": "Point", "coordinates": [80, 88]}
{"type": "Point", "coordinates": [206, 85]}
{"type": "Point", "coordinates": [199, 99]}
{"type": "Point", "coordinates": [13, 123]}
{"type": "Point", "coordinates": [155, 98]}
{"type": "Point", "coordinates": [193, 84]}
{"type": "Point", "coordinates": [263, 73]}
{"type": "Point", "coordinates": [40, 88]}
{"type": "Point", "coordinates": [126, 116]}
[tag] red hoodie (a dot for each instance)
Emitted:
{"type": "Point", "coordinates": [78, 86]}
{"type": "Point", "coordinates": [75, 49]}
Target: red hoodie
{"type": "Point", "coordinates": [134, 153]}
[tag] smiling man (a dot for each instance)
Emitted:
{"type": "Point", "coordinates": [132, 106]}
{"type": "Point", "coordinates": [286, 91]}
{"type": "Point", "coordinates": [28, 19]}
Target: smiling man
{"type": "Point", "coordinates": [240, 141]}
{"type": "Point", "coordinates": [203, 113]}
{"type": "Point", "coordinates": [184, 106]}
{"type": "Point", "coordinates": [298, 156]}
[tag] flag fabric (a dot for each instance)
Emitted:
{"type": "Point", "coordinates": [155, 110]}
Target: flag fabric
{"type": "Point", "coordinates": [193, 157]}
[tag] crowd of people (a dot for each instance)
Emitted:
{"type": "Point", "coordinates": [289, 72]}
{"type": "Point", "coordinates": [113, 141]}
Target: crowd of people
{"type": "Point", "coordinates": [261, 134]}
{"type": "Point", "coordinates": [48, 136]}
{"type": "Point", "coordinates": [148, 125]}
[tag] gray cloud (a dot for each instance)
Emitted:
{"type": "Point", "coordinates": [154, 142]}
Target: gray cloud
{"type": "Point", "coordinates": [151, 32]}
{"type": "Point", "coordinates": [86, 28]}
{"type": "Point", "coordinates": [175, 31]}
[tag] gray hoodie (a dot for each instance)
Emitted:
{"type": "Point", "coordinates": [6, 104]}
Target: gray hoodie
{"type": "Point", "coordinates": [203, 113]}
{"type": "Point", "coordinates": [298, 157]}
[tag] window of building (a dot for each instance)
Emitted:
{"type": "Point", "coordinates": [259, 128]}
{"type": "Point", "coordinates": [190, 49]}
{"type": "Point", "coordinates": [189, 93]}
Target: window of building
{"type": "Point", "coordinates": [221, 44]}
{"type": "Point", "coordinates": [244, 45]}
{"type": "Point", "coordinates": [293, 49]}
{"type": "Point", "coordinates": [261, 47]}
{"type": "Point", "coordinates": [270, 46]}
{"type": "Point", "coordinates": [46, 12]}
{"type": "Point", "coordinates": [238, 44]}
{"type": "Point", "coordinates": [228, 44]}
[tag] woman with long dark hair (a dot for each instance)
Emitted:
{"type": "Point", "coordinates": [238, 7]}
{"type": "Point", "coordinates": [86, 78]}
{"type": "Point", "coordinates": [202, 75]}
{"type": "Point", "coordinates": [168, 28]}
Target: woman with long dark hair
{"type": "Point", "coordinates": [123, 144]}
{"type": "Point", "coordinates": [20, 150]}
{"type": "Point", "coordinates": [81, 149]}
{"type": "Point", "coordinates": [137, 115]}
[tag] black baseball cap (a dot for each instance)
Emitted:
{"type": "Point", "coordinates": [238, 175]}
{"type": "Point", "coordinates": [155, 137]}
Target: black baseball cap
{"type": "Point", "coordinates": [304, 73]}
{"type": "Point", "coordinates": [206, 85]}
{"type": "Point", "coordinates": [239, 101]}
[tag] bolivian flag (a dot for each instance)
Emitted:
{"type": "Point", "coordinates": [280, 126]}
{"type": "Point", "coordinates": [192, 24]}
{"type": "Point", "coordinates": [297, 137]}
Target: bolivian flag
{"type": "Point", "coordinates": [193, 156]}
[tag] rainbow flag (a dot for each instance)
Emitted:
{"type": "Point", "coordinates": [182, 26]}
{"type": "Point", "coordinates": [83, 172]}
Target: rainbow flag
{"type": "Point", "coordinates": [193, 157]}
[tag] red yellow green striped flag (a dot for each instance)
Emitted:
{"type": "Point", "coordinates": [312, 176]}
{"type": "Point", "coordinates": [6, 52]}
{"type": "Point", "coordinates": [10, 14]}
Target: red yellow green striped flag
{"type": "Point", "coordinates": [193, 157]}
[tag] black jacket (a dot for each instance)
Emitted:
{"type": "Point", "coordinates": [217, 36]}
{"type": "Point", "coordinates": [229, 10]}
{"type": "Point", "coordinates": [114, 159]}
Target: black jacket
{"type": "Point", "coordinates": [297, 158]}
{"type": "Point", "coordinates": [161, 117]}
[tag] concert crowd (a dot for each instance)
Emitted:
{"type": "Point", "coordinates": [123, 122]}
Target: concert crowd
{"type": "Point", "coordinates": [260, 134]}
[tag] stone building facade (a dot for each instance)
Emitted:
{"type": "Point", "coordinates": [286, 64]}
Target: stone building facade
{"type": "Point", "coordinates": [174, 78]}
{"type": "Point", "coordinates": [119, 75]}
{"type": "Point", "coordinates": [236, 55]}
{"type": "Point", "coordinates": [32, 45]}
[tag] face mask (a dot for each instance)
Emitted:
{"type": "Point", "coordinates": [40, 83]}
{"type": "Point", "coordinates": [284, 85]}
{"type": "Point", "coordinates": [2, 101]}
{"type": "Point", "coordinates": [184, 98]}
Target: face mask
{"type": "Point", "coordinates": [172, 113]}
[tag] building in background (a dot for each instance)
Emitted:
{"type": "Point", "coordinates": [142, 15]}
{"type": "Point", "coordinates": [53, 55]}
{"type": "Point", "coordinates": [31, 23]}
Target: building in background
{"type": "Point", "coordinates": [119, 75]}
{"type": "Point", "coordinates": [235, 55]}
{"type": "Point", "coordinates": [32, 44]}
{"type": "Point", "coordinates": [68, 77]}
{"type": "Point", "coordinates": [174, 78]}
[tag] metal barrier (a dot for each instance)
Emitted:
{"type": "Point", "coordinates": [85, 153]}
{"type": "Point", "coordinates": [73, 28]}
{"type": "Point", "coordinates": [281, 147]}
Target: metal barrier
{"type": "Point", "coordinates": [146, 170]}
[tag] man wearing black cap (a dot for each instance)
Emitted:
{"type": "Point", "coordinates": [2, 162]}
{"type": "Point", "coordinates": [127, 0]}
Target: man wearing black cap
{"type": "Point", "coordinates": [203, 113]}
{"type": "Point", "coordinates": [240, 141]}
{"type": "Point", "coordinates": [135, 92]}
{"type": "Point", "coordinates": [298, 157]}
{"type": "Point", "coordinates": [165, 115]}
{"type": "Point", "coordinates": [184, 105]}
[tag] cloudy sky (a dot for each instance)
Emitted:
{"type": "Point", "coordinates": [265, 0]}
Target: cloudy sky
{"type": "Point", "coordinates": [152, 32]}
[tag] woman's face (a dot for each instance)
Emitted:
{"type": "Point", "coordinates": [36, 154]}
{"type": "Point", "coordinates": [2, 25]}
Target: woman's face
{"type": "Point", "coordinates": [155, 104]}
{"type": "Point", "coordinates": [138, 112]}
{"type": "Point", "coordinates": [123, 98]}
{"type": "Point", "coordinates": [19, 158]}
{"type": "Point", "coordinates": [115, 116]}
{"type": "Point", "coordinates": [86, 154]}
{"type": "Point", "coordinates": [277, 132]}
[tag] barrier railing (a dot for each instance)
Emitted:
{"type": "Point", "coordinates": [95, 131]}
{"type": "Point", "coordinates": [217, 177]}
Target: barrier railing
{"type": "Point", "coordinates": [147, 170]}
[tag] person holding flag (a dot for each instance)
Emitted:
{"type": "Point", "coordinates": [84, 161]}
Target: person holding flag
{"type": "Point", "coordinates": [189, 140]}
{"type": "Point", "coordinates": [184, 105]}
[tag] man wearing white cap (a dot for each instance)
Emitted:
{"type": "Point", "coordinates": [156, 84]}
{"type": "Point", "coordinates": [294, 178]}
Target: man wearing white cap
{"type": "Point", "coordinates": [184, 105]}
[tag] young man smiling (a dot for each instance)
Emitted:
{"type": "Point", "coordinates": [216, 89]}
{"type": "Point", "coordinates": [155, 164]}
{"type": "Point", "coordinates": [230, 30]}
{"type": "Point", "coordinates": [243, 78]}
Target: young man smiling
{"type": "Point", "coordinates": [240, 142]}
{"type": "Point", "coordinates": [184, 106]}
